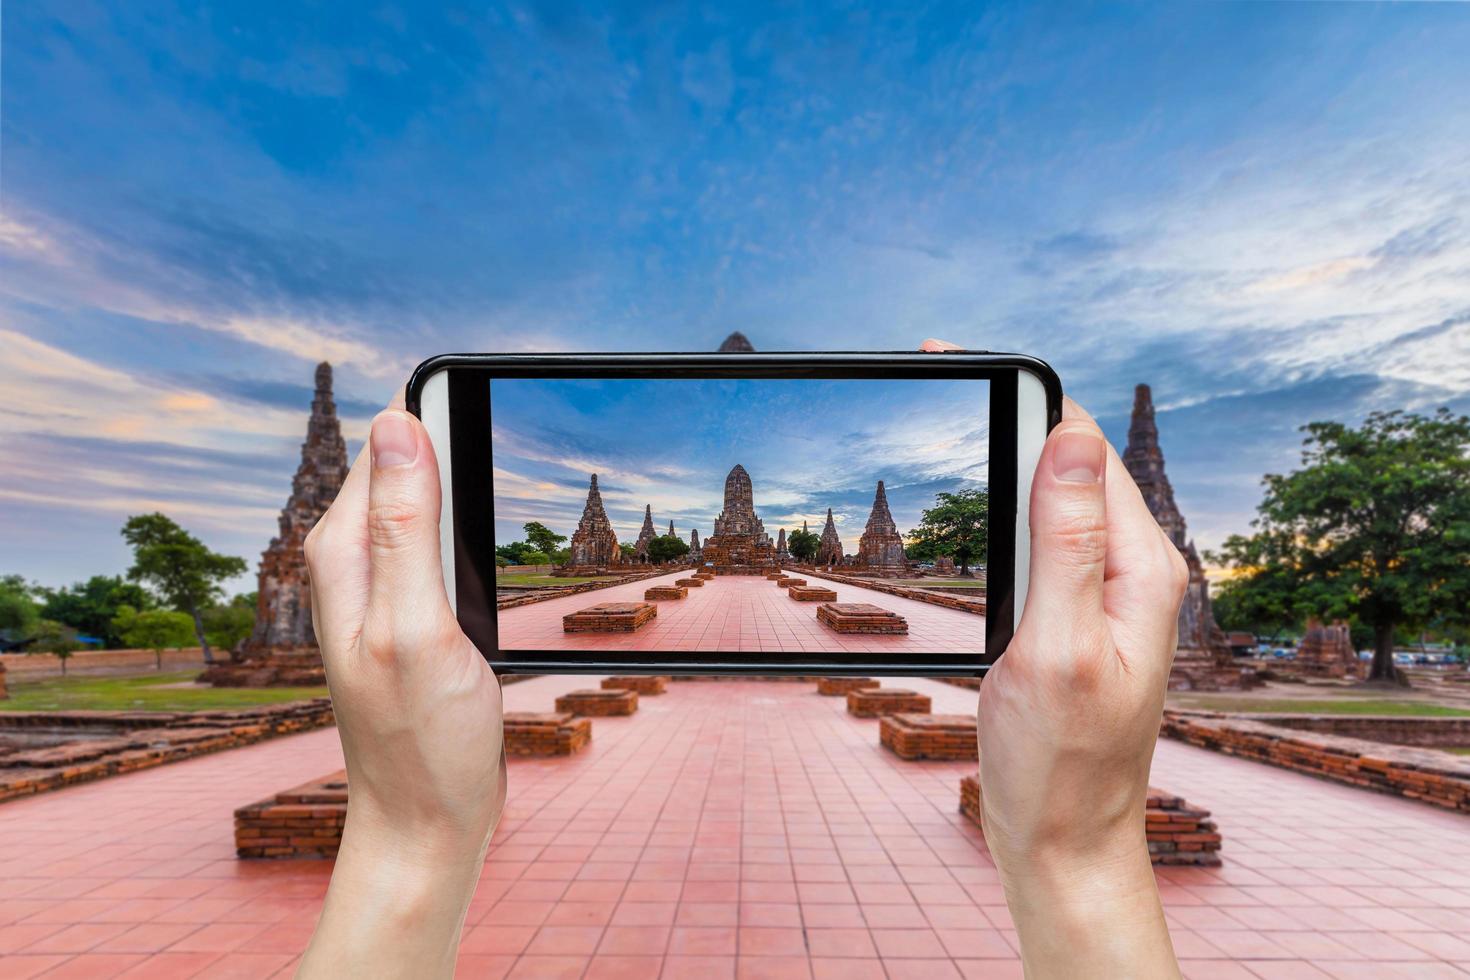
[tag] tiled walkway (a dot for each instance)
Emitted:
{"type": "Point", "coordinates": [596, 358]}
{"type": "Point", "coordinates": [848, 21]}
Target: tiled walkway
{"type": "Point", "coordinates": [742, 613]}
{"type": "Point", "coordinates": [727, 828]}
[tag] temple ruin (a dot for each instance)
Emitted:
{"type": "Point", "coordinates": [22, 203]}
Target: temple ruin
{"type": "Point", "coordinates": [739, 542]}
{"type": "Point", "coordinates": [282, 648]}
{"type": "Point", "coordinates": [594, 548]}
{"type": "Point", "coordinates": [1202, 660]}
{"type": "Point", "coordinates": [1326, 651]}
{"type": "Point", "coordinates": [694, 549]}
{"type": "Point", "coordinates": [781, 553]}
{"type": "Point", "coordinates": [880, 549]}
{"type": "Point", "coordinates": [829, 551]}
{"type": "Point", "coordinates": [646, 534]}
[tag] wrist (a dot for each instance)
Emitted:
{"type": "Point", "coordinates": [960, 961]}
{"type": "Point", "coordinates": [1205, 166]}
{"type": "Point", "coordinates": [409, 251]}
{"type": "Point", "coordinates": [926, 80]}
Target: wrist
{"type": "Point", "coordinates": [1100, 908]}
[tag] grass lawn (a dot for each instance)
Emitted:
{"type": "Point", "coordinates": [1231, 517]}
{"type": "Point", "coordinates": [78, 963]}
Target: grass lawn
{"type": "Point", "coordinates": [550, 580]}
{"type": "Point", "coordinates": [142, 694]}
{"type": "Point", "coordinates": [1460, 751]}
{"type": "Point", "coordinates": [1293, 706]}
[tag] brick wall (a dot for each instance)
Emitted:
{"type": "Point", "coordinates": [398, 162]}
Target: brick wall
{"type": "Point", "coordinates": [962, 603]}
{"type": "Point", "coordinates": [34, 666]}
{"type": "Point", "coordinates": [1448, 733]}
{"type": "Point", "coordinates": [1419, 774]}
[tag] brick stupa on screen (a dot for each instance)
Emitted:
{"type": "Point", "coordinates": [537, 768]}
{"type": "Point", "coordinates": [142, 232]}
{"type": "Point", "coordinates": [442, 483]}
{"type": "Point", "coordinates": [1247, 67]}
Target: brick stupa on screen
{"type": "Point", "coordinates": [282, 648]}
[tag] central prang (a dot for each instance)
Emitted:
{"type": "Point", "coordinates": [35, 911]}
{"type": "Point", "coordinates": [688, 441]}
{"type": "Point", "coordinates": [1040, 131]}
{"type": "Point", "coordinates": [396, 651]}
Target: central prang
{"type": "Point", "coordinates": [739, 544]}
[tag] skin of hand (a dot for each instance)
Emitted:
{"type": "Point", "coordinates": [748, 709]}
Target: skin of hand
{"type": "Point", "coordinates": [419, 714]}
{"type": "Point", "coordinates": [1070, 714]}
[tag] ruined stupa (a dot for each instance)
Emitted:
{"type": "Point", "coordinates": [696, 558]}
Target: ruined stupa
{"type": "Point", "coordinates": [282, 649]}
{"type": "Point", "coordinates": [781, 553]}
{"type": "Point", "coordinates": [880, 549]}
{"type": "Point", "coordinates": [829, 551]}
{"type": "Point", "coordinates": [739, 543]}
{"type": "Point", "coordinates": [1202, 660]}
{"type": "Point", "coordinates": [694, 550]}
{"type": "Point", "coordinates": [1327, 651]}
{"type": "Point", "coordinates": [594, 548]}
{"type": "Point", "coordinates": [646, 534]}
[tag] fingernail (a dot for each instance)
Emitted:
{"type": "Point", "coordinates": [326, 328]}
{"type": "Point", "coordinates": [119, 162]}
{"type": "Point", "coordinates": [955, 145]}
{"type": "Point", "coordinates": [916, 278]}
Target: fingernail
{"type": "Point", "coordinates": [1078, 458]}
{"type": "Point", "coordinates": [394, 442]}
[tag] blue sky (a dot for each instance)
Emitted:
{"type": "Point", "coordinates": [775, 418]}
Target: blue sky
{"type": "Point", "coordinates": [1261, 209]}
{"type": "Point", "coordinates": [807, 445]}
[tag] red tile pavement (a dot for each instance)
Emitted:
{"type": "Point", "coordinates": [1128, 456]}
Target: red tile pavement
{"type": "Point", "coordinates": [742, 613]}
{"type": "Point", "coordinates": [743, 829]}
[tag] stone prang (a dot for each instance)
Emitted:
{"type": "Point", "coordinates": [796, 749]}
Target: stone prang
{"type": "Point", "coordinates": [282, 647]}
{"type": "Point", "coordinates": [594, 544]}
{"type": "Point", "coordinates": [829, 551]}
{"type": "Point", "coordinates": [1203, 659]}
{"type": "Point", "coordinates": [880, 549]}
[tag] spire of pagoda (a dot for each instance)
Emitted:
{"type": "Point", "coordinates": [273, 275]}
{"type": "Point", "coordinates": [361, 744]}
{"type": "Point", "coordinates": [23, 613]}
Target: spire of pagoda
{"type": "Point", "coordinates": [1144, 460]}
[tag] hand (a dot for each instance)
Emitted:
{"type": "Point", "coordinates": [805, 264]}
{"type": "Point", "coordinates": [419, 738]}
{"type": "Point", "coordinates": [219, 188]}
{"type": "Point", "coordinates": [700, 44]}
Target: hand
{"type": "Point", "coordinates": [419, 714]}
{"type": "Point", "coordinates": [1070, 714]}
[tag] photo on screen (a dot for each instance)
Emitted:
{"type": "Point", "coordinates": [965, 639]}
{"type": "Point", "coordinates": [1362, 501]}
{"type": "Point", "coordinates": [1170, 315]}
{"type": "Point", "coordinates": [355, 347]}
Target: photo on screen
{"type": "Point", "coordinates": [756, 516]}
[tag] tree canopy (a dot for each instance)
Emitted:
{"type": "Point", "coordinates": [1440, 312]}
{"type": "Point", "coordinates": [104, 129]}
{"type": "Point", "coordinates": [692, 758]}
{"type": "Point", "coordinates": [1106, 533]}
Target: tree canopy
{"type": "Point", "coordinates": [179, 567]}
{"type": "Point", "coordinates": [958, 525]}
{"type": "Point", "coordinates": [803, 545]}
{"type": "Point", "coordinates": [18, 609]}
{"type": "Point", "coordinates": [667, 547]}
{"type": "Point", "coordinates": [154, 629]}
{"type": "Point", "coordinates": [90, 607]}
{"type": "Point", "coordinates": [543, 538]}
{"type": "Point", "coordinates": [1374, 525]}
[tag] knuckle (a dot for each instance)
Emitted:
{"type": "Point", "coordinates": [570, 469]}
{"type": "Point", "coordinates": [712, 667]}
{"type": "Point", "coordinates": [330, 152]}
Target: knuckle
{"type": "Point", "coordinates": [392, 523]}
{"type": "Point", "coordinates": [1080, 539]}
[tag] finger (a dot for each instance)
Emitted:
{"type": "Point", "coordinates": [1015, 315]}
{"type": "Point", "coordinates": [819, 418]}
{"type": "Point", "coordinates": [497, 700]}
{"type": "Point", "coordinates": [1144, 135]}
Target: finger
{"type": "Point", "coordinates": [406, 595]}
{"type": "Point", "coordinates": [1069, 528]}
{"type": "Point", "coordinates": [932, 346]}
{"type": "Point", "coordinates": [337, 552]}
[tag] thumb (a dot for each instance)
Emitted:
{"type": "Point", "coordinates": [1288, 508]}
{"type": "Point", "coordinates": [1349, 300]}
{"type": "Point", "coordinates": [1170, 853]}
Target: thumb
{"type": "Point", "coordinates": [406, 595]}
{"type": "Point", "coordinates": [1069, 528]}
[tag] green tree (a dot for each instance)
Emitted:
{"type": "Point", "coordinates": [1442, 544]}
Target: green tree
{"type": "Point", "coordinates": [521, 553]}
{"type": "Point", "coordinates": [178, 566]}
{"type": "Point", "coordinates": [543, 538]}
{"type": "Point", "coordinates": [1374, 525]}
{"type": "Point", "coordinates": [55, 638]}
{"type": "Point", "coordinates": [18, 610]}
{"type": "Point", "coordinates": [629, 551]}
{"type": "Point", "coordinates": [154, 629]}
{"type": "Point", "coordinates": [561, 556]}
{"type": "Point", "coordinates": [227, 623]}
{"type": "Point", "coordinates": [958, 525]}
{"type": "Point", "coordinates": [667, 547]}
{"type": "Point", "coordinates": [803, 545]}
{"type": "Point", "coordinates": [90, 607]}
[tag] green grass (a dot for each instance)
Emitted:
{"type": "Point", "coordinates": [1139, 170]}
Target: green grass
{"type": "Point", "coordinates": [1291, 706]}
{"type": "Point", "coordinates": [142, 694]}
{"type": "Point", "coordinates": [1465, 750]}
{"type": "Point", "coordinates": [550, 580]}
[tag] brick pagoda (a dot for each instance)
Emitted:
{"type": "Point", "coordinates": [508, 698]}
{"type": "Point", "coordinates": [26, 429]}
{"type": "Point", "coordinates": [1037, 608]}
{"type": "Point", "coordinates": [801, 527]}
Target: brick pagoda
{"type": "Point", "coordinates": [594, 544]}
{"type": "Point", "coordinates": [739, 544]}
{"type": "Point", "coordinates": [1327, 651]}
{"type": "Point", "coordinates": [282, 648]}
{"type": "Point", "coordinates": [829, 552]}
{"type": "Point", "coordinates": [781, 553]}
{"type": "Point", "coordinates": [880, 549]}
{"type": "Point", "coordinates": [646, 534]}
{"type": "Point", "coordinates": [1203, 660]}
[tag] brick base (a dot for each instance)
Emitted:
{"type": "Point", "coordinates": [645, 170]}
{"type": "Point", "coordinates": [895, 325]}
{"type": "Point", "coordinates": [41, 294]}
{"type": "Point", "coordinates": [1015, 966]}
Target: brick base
{"type": "Point", "coordinates": [840, 686]}
{"type": "Point", "coordinates": [789, 581]}
{"type": "Point", "coordinates": [545, 733]}
{"type": "Point", "coordinates": [886, 701]}
{"type": "Point", "coordinates": [610, 617]}
{"type": "Point", "coordinates": [644, 684]}
{"type": "Point", "coordinates": [599, 704]}
{"type": "Point", "coordinates": [666, 592]}
{"type": "Point", "coordinates": [697, 582]}
{"type": "Point", "coordinates": [284, 667]}
{"type": "Point", "coordinates": [304, 822]}
{"type": "Point", "coordinates": [952, 738]}
{"type": "Point", "coordinates": [861, 617]}
{"type": "Point", "coordinates": [811, 593]}
{"type": "Point", "coordinates": [1419, 774]}
{"type": "Point", "coordinates": [1177, 832]}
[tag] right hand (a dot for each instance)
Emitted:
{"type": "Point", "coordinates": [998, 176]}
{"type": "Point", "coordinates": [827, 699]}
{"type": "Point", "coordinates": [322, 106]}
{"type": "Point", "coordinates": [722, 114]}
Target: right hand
{"type": "Point", "coordinates": [1070, 714]}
